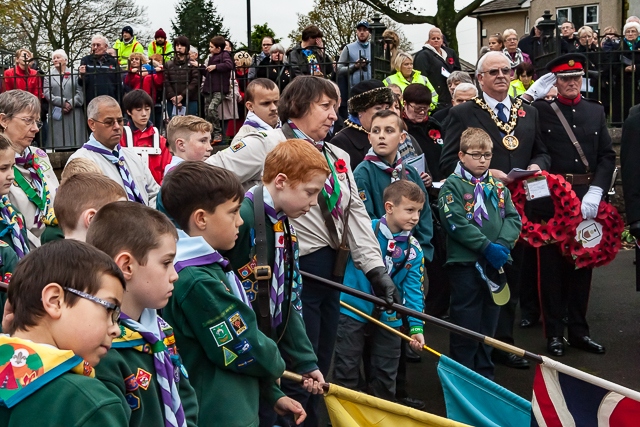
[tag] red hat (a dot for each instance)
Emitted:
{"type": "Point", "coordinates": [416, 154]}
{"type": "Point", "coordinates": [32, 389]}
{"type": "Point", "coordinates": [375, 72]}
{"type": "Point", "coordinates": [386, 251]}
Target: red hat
{"type": "Point", "coordinates": [160, 34]}
{"type": "Point", "coordinates": [568, 65]}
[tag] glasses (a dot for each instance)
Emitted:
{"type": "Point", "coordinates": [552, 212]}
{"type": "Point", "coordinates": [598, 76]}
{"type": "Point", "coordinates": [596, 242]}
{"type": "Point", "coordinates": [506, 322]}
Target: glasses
{"type": "Point", "coordinates": [478, 156]}
{"type": "Point", "coordinates": [495, 71]}
{"type": "Point", "coordinates": [111, 308]}
{"type": "Point", "coordinates": [30, 121]}
{"type": "Point", "coordinates": [110, 122]}
{"type": "Point", "coordinates": [419, 110]}
{"type": "Point", "coordinates": [511, 39]}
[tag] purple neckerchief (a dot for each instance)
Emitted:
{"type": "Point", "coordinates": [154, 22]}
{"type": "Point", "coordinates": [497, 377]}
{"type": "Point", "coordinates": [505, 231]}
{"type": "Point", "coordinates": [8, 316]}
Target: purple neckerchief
{"type": "Point", "coordinates": [394, 170]}
{"type": "Point", "coordinates": [479, 208]}
{"type": "Point", "coordinates": [167, 373]}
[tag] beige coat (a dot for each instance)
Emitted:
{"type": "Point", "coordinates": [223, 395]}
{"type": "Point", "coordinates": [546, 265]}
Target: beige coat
{"type": "Point", "coordinates": [246, 159]}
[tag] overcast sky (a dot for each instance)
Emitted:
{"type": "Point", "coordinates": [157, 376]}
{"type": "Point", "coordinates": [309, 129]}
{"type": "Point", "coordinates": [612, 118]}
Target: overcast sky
{"type": "Point", "coordinates": [281, 17]}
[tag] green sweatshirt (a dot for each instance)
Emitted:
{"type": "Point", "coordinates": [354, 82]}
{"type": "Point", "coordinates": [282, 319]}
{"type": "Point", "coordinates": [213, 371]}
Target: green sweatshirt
{"type": "Point", "coordinates": [71, 400]}
{"type": "Point", "coordinates": [466, 240]}
{"type": "Point", "coordinates": [291, 335]}
{"type": "Point", "coordinates": [230, 362]}
{"type": "Point", "coordinates": [8, 262]}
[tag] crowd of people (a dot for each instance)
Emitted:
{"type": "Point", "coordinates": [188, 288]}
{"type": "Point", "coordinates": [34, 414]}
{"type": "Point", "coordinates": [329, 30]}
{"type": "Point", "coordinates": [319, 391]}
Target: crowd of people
{"type": "Point", "coordinates": [406, 195]}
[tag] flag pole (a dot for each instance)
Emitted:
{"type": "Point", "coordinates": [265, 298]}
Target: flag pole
{"type": "Point", "coordinates": [430, 319]}
{"type": "Point", "coordinates": [385, 326]}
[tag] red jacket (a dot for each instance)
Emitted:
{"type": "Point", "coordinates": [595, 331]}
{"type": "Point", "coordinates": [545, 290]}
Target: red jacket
{"type": "Point", "coordinates": [144, 138]}
{"type": "Point", "coordinates": [16, 78]}
{"type": "Point", "coordinates": [149, 83]}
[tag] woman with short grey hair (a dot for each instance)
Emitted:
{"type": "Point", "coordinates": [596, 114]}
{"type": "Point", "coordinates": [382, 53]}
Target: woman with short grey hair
{"type": "Point", "coordinates": [274, 68]}
{"type": "Point", "coordinates": [66, 99]}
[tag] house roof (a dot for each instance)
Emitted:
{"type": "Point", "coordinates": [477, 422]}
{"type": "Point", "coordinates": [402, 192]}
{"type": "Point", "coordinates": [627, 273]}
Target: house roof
{"type": "Point", "coordinates": [498, 6]}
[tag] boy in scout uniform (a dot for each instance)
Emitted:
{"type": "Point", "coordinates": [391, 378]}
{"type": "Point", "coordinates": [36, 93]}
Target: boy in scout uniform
{"type": "Point", "coordinates": [230, 361]}
{"type": "Point", "coordinates": [143, 367]}
{"type": "Point", "coordinates": [482, 227]}
{"type": "Point", "coordinates": [65, 319]}
{"type": "Point", "coordinates": [294, 175]}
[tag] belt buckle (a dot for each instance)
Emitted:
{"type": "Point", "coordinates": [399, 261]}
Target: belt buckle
{"type": "Point", "coordinates": [569, 178]}
{"type": "Point", "coordinates": [262, 272]}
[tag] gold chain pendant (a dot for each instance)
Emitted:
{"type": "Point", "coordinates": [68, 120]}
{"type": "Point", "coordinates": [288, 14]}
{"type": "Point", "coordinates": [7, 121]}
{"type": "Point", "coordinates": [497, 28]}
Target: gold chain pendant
{"type": "Point", "coordinates": [510, 142]}
{"type": "Point", "coordinates": [513, 117]}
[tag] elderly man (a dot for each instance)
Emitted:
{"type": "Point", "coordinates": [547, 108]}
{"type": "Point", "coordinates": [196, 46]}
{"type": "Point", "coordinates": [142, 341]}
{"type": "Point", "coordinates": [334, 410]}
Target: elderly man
{"type": "Point", "coordinates": [267, 42]}
{"type": "Point", "coordinates": [122, 165]}
{"type": "Point", "coordinates": [261, 99]}
{"type": "Point", "coordinates": [575, 132]}
{"type": "Point", "coordinates": [100, 72]}
{"type": "Point", "coordinates": [517, 143]}
{"type": "Point", "coordinates": [355, 59]}
{"type": "Point", "coordinates": [437, 62]}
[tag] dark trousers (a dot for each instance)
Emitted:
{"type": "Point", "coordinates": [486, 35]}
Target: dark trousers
{"type": "Point", "coordinates": [563, 291]}
{"type": "Point", "coordinates": [504, 330]}
{"type": "Point", "coordinates": [384, 354]}
{"type": "Point", "coordinates": [473, 308]}
{"type": "Point", "coordinates": [320, 310]}
{"type": "Point", "coordinates": [529, 298]}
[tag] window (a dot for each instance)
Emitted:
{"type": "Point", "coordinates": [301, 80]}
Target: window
{"type": "Point", "coordinates": [579, 15]}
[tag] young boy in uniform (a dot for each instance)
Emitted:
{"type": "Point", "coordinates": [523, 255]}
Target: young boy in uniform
{"type": "Point", "coordinates": [231, 361]}
{"type": "Point", "coordinates": [403, 202]}
{"type": "Point", "coordinates": [67, 297]}
{"type": "Point", "coordinates": [142, 136]}
{"type": "Point", "coordinates": [294, 174]}
{"type": "Point", "coordinates": [482, 227]}
{"type": "Point", "coordinates": [189, 138]}
{"type": "Point", "coordinates": [143, 367]}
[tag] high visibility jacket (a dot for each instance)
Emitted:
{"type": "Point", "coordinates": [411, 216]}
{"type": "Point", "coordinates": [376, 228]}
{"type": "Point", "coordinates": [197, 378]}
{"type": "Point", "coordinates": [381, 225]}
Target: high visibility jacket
{"type": "Point", "coordinates": [162, 50]}
{"type": "Point", "coordinates": [125, 49]}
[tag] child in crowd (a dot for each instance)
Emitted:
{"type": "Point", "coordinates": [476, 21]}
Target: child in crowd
{"type": "Point", "coordinates": [294, 174]}
{"type": "Point", "coordinates": [216, 83]}
{"type": "Point", "coordinates": [12, 229]}
{"type": "Point", "coordinates": [143, 136]}
{"type": "Point", "coordinates": [403, 201]}
{"type": "Point", "coordinates": [80, 197]}
{"type": "Point", "coordinates": [67, 297]}
{"type": "Point", "coordinates": [482, 227]}
{"type": "Point", "coordinates": [79, 165]}
{"type": "Point", "coordinates": [189, 138]}
{"type": "Point", "coordinates": [231, 361]}
{"type": "Point", "coordinates": [143, 367]}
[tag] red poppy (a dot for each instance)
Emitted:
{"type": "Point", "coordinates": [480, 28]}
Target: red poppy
{"type": "Point", "coordinates": [558, 234]}
{"type": "Point", "coordinates": [341, 166]}
{"type": "Point", "coordinates": [521, 113]}
{"type": "Point", "coordinates": [450, 60]}
{"type": "Point", "coordinates": [434, 134]}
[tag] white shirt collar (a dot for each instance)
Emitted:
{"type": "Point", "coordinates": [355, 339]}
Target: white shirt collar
{"type": "Point", "coordinates": [493, 102]}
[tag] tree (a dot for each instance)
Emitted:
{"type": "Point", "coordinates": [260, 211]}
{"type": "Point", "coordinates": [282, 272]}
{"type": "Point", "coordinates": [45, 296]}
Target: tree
{"type": "Point", "coordinates": [199, 21]}
{"type": "Point", "coordinates": [447, 19]}
{"type": "Point", "coordinates": [337, 19]}
{"type": "Point", "coordinates": [47, 25]}
{"type": "Point", "coordinates": [259, 32]}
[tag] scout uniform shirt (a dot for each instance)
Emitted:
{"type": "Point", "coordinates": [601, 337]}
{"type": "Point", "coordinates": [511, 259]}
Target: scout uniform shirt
{"type": "Point", "coordinates": [144, 181]}
{"type": "Point", "coordinates": [129, 371]}
{"type": "Point", "coordinates": [291, 333]}
{"type": "Point", "coordinates": [372, 181]}
{"type": "Point", "coordinates": [246, 159]}
{"type": "Point", "coordinates": [466, 239]}
{"type": "Point", "coordinates": [8, 262]}
{"type": "Point", "coordinates": [230, 362]}
{"type": "Point", "coordinates": [33, 216]}
{"type": "Point", "coordinates": [44, 386]}
{"type": "Point", "coordinates": [405, 266]}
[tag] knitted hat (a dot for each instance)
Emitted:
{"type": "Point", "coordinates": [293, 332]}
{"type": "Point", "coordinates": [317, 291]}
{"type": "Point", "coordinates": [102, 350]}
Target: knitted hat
{"type": "Point", "coordinates": [160, 34]}
{"type": "Point", "coordinates": [368, 93]}
{"type": "Point", "coordinates": [128, 29]}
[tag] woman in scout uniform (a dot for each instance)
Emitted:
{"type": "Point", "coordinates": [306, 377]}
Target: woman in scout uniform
{"type": "Point", "coordinates": [307, 112]}
{"type": "Point", "coordinates": [35, 182]}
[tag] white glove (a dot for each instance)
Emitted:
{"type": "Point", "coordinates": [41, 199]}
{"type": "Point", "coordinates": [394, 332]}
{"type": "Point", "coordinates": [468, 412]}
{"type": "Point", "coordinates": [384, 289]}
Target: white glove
{"type": "Point", "coordinates": [541, 87]}
{"type": "Point", "coordinates": [590, 202]}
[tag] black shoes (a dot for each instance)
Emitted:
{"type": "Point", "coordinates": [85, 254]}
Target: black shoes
{"type": "Point", "coordinates": [555, 346]}
{"type": "Point", "coordinates": [509, 360]}
{"type": "Point", "coordinates": [412, 403]}
{"type": "Point", "coordinates": [587, 344]}
{"type": "Point", "coordinates": [526, 323]}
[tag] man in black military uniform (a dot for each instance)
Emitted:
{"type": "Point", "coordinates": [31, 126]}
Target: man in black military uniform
{"type": "Point", "coordinates": [517, 143]}
{"type": "Point", "coordinates": [588, 166]}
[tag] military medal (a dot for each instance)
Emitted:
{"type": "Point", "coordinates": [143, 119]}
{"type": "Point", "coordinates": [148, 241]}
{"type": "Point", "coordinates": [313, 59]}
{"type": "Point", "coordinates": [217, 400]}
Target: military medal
{"type": "Point", "coordinates": [510, 142]}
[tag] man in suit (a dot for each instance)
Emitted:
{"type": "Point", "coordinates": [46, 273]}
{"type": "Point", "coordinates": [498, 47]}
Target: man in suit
{"type": "Point", "coordinates": [517, 143]}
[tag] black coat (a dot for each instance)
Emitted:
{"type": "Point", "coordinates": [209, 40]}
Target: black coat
{"type": "Point", "coordinates": [353, 141]}
{"type": "Point", "coordinates": [430, 64]}
{"type": "Point", "coordinates": [630, 162]}
{"type": "Point", "coordinates": [277, 72]}
{"type": "Point", "coordinates": [102, 77]}
{"type": "Point", "coordinates": [429, 146]}
{"type": "Point", "coordinates": [469, 114]}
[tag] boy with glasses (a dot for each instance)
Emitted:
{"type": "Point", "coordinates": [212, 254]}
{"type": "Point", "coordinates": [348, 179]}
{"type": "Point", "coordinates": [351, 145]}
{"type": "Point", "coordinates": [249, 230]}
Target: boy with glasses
{"type": "Point", "coordinates": [143, 368]}
{"type": "Point", "coordinates": [66, 297]}
{"type": "Point", "coordinates": [482, 227]}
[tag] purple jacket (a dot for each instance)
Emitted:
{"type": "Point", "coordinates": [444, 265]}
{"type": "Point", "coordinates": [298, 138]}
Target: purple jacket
{"type": "Point", "coordinates": [218, 79]}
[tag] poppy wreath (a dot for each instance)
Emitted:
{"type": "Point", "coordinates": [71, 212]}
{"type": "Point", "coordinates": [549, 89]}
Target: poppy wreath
{"type": "Point", "coordinates": [606, 250]}
{"type": "Point", "coordinates": [566, 212]}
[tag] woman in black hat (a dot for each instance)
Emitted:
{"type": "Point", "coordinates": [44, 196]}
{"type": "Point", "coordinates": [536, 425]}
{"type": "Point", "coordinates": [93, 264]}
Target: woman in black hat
{"type": "Point", "coordinates": [366, 98]}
